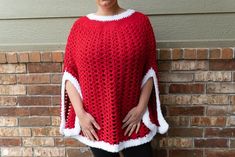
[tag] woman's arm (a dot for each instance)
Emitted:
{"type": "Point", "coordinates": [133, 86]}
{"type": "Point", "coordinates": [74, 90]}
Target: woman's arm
{"type": "Point", "coordinates": [145, 94]}
{"type": "Point", "coordinates": [75, 98]}
{"type": "Point", "coordinates": [86, 121]}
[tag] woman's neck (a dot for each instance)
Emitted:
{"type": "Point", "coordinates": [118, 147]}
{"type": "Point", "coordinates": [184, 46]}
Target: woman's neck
{"type": "Point", "coordinates": [109, 11]}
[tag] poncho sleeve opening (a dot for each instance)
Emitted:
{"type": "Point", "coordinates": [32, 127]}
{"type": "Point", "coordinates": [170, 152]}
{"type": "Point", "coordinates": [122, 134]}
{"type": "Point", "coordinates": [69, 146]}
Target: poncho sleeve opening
{"type": "Point", "coordinates": [70, 73]}
{"type": "Point", "coordinates": [151, 70]}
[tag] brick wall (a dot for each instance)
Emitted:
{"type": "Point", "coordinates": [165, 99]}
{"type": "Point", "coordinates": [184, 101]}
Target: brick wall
{"type": "Point", "coordinates": [197, 95]}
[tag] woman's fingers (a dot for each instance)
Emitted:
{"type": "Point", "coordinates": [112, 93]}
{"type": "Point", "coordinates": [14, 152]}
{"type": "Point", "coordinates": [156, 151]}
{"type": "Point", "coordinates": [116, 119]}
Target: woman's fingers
{"type": "Point", "coordinates": [96, 124]}
{"type": "Point", "coordinates": [127, 117]}
{"type": "Point", "coordinates": [124, 125]}
{"type": "Point", "coordinates": [132, 129]}
{"type": "Point", "coordinates": [127, 122]}
{"type": "Point", "coordinates": [128, 129]}
{"type": "Point", "coordinates": [94, 134]}
{"type": "Point", "coordinates": [137, 128]}
{"type": "Point", "coordinates": [84, 132]}
{"type": "Point", "coordinates": [90, 135]}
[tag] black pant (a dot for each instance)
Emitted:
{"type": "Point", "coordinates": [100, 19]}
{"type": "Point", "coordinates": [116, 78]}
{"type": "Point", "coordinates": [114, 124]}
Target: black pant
{"type": "Point", "coordinates": [143, 150]}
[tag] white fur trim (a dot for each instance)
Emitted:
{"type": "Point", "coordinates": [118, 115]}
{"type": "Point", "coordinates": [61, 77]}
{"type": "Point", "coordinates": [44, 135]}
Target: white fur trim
{"type": "Point", "coordinates": [119, 16]}
{"type": "Point", "coordinates": [125, 144]}
{"type": "Point", "coordinates": [76, 130]}
{"type": "Point", "coordinates": [164, 126]}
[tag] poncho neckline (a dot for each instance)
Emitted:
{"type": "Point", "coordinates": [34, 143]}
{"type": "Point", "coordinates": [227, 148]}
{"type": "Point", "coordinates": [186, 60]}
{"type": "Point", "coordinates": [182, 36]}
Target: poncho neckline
{"type": "Point", "coordinates": [128, 12]}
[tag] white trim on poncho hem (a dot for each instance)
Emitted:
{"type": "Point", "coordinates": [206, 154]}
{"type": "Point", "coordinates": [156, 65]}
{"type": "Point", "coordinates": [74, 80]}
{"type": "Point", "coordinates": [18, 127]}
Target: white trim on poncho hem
{"type": "Point", "coordinates": [74, 132]}
{"type": "Point", "coordinates": [124, 14]}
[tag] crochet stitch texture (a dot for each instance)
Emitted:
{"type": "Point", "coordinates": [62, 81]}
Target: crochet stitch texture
{"type": "Point", "coordinates": [108, 59]}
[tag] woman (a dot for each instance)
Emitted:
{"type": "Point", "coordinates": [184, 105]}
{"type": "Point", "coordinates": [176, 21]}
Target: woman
{"type": "Point", "coordinates": [109, 95]}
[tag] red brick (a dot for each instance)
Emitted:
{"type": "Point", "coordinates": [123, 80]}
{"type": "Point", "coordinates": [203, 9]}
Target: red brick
{"type": "Point", "coordinates": [186, 88]}
{"type": "Point", "coordinates": [35, 121]}
{"type": "Point", "coordinates": [176, 77]}
{"type": "Point", "coordinates": [177, 53]}
{"type": "Point", "coordinates": [43, 111]}
{"type": "Point", "coordinates": [57, 56]}
{"type": "Point", "coordinates": [232, 99]}
{"type": "Point", "coordinates": [221, 88]}
{"type": "Point", "coordinates": [11, 57]}
{"type": "Point", "coordinates": [50, 151]}
{"type": "Point", "coordinates": [12, 89]}
{"type": "Point", "coordinates": [233, 76]}
{"type": "Point", "coordinates": [219, 153]}
{"type": "Point", "coordinates": [208, 121]}
{"type": "Point", "coordinates": [59, 142]}
{"type": "Point", "coordinates": [33, 78]}
{"type": "Point", "coordinates": [46, 57]}
{"type": "Point", "coordinates": [37, 141]}
{"type": "Point", "coordinates": [185, 132]}
{"type": "Point", "coordinates": [185, 153]}
{"type": "Point", "coordinates": [12, 111]}
{"type": "Point", "coordinates": [215, 53]}
{"type": "Point", "coordinates": [70, 142]}
{"type": "Point", "coordinates": [43, 67]}
{"type": "Point", "coordinates": [176, 142]}
{"type": "Point", "coordinates": [16, 151]}
{"type": "Point", "coordinates": [39, 111]}
{"type": "Point", "coordinates": [55, 100]}
{"type": "Point", "coordinates": [163, 88]}
{"type": "Point", "coordinates": [220, 132]}
{"type": "Point", "coordinates": [210, 99]}
{"type": "Point", "coordinates": [175, 99]}
{"type": "Point", "coordinates": [77, 152]}
{"type": "Point", "coordinates": [190, 53]}
{"type": "Point", "coordinates": [23, 57]}
{"type": "Point", "coordinates": [56, 78]}
{"type": "Point", "coordinates": [164, 66]}
{"type": "Point", "coordinates": [55, 111]}
{"type": "Point", "coordinates": [45, 131]}
{"type": "Point", "coordinates": [8, 100]}
{"type": "Point", "coordinates": [7, 79]}
{"type": "Point", "coordinates": [227, 53]}
{"type": "Point", "coordinates": [12, 68]}
{"type": "Point", "coordinates": [3, 58]}
{"type": "Point", "coordinates": [165, 54]}
{"type": "Point", "coordinates": [55, 120]}
{"type": "Point", "coordinates": [225, 64]}
{"type": "Point", "coordinates": [202, 53]}
{"type": "Point", "coordinates": [175, 121]}
{"type": "Point", "coordinates": [232, 143]}
{"type": "Point", "coordinates": [208, 143]}
{"type": "Point", "coordinates": [43, 90]}
{"type": "Point", "coordinates": [186, 111]}
{"type": "Point", "coordinates": [231, 121]}
{"type": "Point", "coordinates": [34, 100]}
{"type": "Point", "coordinates": [213, 76]}
{"type": "Point", "coordinates": [8, 121]}
{"type": "Point", "coordinates": [8, 142]}
{"type": "Point", "coordinates": [187, 65]}
{"type": "Point", "coordinates": [34, 57]}
{"type": "Point", "coordinates": [216, 110]}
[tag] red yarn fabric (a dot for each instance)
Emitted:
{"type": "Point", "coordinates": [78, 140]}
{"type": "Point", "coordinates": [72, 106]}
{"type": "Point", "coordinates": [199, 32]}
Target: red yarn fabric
{"type": "Point", "coordinates": [107, 61]}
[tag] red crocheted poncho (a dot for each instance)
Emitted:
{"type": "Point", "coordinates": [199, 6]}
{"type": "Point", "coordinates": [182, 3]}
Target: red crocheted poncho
{"type": "Point", "coordinates": [108, 59]}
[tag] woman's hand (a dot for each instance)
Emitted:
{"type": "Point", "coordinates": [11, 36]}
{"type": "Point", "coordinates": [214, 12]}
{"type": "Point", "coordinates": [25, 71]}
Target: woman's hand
{"type": "Point", "coordinates": [87, 123]}
{"type": "Point", "coordinates": [133, 119]}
